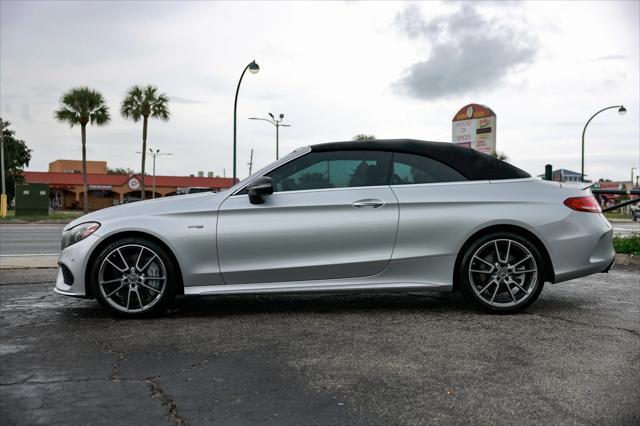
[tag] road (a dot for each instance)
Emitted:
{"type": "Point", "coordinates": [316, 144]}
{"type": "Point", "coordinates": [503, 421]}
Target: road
{"type": "Point", "coordinates": [625, 228]}
{"type": "Point", "coordinates": [361, 359]}
{"type": "Point", "coordinates": [45, 239]}
{"type": "Point", "coordinates": [30, 239]}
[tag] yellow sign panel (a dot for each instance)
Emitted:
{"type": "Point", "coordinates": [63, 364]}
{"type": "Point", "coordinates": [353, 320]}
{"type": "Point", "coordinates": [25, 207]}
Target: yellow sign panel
{"type": "Point", "coordinates": [3, 205]}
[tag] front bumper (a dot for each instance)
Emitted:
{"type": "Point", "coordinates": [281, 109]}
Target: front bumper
{"type": "Point", "coordinates": [75, 259]}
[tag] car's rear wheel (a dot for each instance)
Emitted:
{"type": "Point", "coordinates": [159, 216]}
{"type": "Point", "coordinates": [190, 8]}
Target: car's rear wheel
{"type": "Point", "coordinates": [134, 277]}
{"type": "Point", "coordinates": [502, 272]}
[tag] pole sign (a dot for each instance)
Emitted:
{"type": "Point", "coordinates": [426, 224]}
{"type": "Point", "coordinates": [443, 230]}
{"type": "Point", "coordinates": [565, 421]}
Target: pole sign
{"type": "Point", "coordinates": [134, 184]}
{"type": "Point", "coordinates": [474, 126]}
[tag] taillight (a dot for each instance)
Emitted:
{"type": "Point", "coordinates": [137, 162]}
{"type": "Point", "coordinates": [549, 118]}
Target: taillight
{"type": "Point", "coordinates": [583, 204]}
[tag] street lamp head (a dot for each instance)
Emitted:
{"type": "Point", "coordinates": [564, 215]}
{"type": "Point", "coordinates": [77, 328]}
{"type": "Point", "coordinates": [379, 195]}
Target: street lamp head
{"type": "Point", "coordinates": [622, 110]}
{"type": "Point", "coordinates": [253, 67]}
{"type": "Point", "coordinates": [281, 116]}
{"type": "Point", "coordinates": [271, 115]}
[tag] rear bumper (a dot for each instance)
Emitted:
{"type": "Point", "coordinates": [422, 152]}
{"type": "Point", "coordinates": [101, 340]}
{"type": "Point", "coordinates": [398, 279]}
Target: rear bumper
{"type": "Point", "coordinates": [579, 245]}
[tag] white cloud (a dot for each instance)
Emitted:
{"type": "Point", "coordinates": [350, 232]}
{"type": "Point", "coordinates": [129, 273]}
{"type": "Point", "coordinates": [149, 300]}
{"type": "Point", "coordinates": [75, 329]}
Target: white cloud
{"type": "Point", "coordinates": [469, 53]}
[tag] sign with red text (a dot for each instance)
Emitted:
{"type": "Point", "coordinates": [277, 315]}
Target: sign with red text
{"type": "Point", "coordinates": [474, 126]}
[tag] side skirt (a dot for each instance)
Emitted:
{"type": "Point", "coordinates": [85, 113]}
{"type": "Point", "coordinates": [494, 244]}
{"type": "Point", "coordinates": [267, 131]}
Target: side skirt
{"type": "Point", "coordinates": [310, 287]}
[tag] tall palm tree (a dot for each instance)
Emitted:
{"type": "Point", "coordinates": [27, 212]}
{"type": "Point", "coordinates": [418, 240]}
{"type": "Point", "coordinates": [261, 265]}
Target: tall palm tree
{"type": "Point", "coordinates": [82, 106]}
{"type": "Point", "coordinates": [144, 102]}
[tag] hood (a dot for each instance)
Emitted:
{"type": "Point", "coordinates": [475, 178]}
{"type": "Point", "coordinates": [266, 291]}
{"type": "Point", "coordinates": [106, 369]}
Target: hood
{"type": "Point", "coordinates": [153, 207]}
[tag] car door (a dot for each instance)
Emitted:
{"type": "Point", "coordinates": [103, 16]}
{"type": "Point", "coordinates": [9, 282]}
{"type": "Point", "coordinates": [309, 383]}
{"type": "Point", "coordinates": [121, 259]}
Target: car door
{"type": "Point", "coordinates": [332, 215]}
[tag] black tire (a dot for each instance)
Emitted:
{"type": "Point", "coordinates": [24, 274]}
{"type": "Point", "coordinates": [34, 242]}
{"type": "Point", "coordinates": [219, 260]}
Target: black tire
{"type": "Point", "coordinates": [163, 292]}
{"type": "Point", "coordinates": [534, 284]}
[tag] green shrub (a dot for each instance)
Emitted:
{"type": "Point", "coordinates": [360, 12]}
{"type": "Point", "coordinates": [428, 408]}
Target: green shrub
{"type": "Point", "coordinates": [629, 244]}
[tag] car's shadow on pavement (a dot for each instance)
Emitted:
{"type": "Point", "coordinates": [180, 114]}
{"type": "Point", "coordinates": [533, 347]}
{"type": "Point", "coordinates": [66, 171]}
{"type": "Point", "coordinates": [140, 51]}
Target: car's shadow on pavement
{"type": "Point", "coordinates": [246, 305]}
{"type": "Point", "coordinates": [325, 303]}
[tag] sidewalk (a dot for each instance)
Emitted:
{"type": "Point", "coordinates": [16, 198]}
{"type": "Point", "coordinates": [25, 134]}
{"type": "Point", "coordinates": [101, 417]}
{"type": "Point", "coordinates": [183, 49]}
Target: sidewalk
{"type": "Point", "coordinates": [35, 222]}
{"type": "Point", "coordinates": [17, 261]}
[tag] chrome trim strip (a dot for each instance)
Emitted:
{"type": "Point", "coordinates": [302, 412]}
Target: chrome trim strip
{"type": "Point", "coordinates": [305, 191]}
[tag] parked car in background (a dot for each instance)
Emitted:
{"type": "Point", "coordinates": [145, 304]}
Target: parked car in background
{"type": "Point", "coordinates": [130, 200]}
{"type": "Point", "coordinates": [348, 216]}
{"type": "Point", "coordinates": [193, 190]}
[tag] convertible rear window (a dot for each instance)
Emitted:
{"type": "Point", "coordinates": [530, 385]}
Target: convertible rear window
{"type": "Point", "coordinates": [332, 169]}
{"type": "Point", "coordinates": [410, 169]}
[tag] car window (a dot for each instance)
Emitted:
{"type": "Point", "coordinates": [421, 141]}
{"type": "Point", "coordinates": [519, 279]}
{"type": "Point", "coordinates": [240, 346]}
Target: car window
{"type": "Point", "coordinates": [334, 169]}
{"type": "Point", "coordinates": [410, 168]}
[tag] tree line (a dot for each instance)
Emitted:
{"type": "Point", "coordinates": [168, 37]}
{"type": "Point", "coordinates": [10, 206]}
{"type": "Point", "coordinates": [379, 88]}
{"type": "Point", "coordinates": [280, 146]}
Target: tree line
{"type": "Point", "coordinates": [17, 155]}
{"type": "Point", "coordinates": [82, 106]}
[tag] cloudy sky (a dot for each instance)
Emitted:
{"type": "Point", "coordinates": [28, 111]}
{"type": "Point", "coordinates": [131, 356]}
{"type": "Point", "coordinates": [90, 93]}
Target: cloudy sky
{"type": "Point", "coordinates": [335, 69]}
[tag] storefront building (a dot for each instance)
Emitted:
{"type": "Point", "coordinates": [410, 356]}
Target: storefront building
{"type": "Point", "coordinates": [105, 190]}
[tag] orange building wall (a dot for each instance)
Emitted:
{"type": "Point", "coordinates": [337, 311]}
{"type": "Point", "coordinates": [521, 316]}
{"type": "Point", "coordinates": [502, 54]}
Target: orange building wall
{"type": "Point", "coordinates": [75, 166]}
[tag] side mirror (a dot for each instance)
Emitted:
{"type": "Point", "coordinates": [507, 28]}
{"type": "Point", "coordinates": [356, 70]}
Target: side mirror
{"type": "Point", "coordinates": [260, 188]}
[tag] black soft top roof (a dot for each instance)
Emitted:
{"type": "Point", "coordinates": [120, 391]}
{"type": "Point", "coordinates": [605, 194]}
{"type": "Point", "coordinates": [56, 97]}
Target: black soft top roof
{"type": "Point", "coordinates": [472, 164]}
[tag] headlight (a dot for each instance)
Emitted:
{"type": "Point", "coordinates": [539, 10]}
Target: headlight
{"type": "Point", "coordinates": [78, 233]}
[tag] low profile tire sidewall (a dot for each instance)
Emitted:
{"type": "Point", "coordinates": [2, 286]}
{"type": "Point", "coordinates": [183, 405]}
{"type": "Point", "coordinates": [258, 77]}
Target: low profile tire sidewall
{"type": "Point", "coordinates": [466, 285]}
{"type": "Point", "coordinates": [170, 286]}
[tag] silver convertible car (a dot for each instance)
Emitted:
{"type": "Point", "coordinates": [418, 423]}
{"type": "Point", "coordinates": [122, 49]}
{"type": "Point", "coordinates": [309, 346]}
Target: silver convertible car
{"type": "Point", "coordinates": [346, 216]}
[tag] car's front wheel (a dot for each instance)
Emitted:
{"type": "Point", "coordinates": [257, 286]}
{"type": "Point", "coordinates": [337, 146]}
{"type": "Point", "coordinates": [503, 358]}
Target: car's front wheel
{"type": "Point", "coordinates": [502, 272]}
{"type": "Point", "coordinates": [134, 277]}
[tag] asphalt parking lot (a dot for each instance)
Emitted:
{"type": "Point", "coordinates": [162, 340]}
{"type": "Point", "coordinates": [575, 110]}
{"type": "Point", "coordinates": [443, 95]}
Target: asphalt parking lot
{"type": "Point", "coordinates": [375, 358]}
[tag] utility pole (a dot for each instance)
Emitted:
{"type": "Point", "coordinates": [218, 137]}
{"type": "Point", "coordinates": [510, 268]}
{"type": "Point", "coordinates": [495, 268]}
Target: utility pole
{"type": "Point", "coordinates": [3, 195]}
{"type": "Point", "coordinates": [250, 163]}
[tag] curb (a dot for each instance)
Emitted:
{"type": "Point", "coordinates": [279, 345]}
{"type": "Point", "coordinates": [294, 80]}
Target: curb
{"type": "Point", "coordinates": [625, 220]}
{"type": "Point", "coordinates": [627, 259]}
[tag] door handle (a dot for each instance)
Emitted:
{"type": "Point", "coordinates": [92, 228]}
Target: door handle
{"type": "Point", "coordinates": [368, 202]}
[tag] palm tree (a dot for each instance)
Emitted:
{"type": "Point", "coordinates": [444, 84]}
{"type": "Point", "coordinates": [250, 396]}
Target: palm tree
{"type": "Point", "coordinates": [82, 106]}
{"type": "Point", "coordinates": [144, 102]}
{"type": "Point", "coordinates": [500, 156]}
{"type": "Point", "coordinates": [363, 137]}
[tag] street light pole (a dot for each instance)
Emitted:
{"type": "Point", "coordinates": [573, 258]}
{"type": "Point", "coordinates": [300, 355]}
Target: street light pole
{"type": "Point", "coordinates": [278, 124]}
{"type": "Point", "coordinates": [621, 110]}
{"type": "Point", "coordinates": [3, 195]}
{"type": "Point", "coordinates": [154, 155]}
{"type": "Point", "coordinates": [253, 68]}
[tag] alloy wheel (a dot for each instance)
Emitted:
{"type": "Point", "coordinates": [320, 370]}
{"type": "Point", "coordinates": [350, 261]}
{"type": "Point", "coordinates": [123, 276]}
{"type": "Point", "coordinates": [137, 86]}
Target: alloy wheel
{"type": "Point", "coordinates": [503, 273]}
{"type": "Point", "coordinates": [132, 278]}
